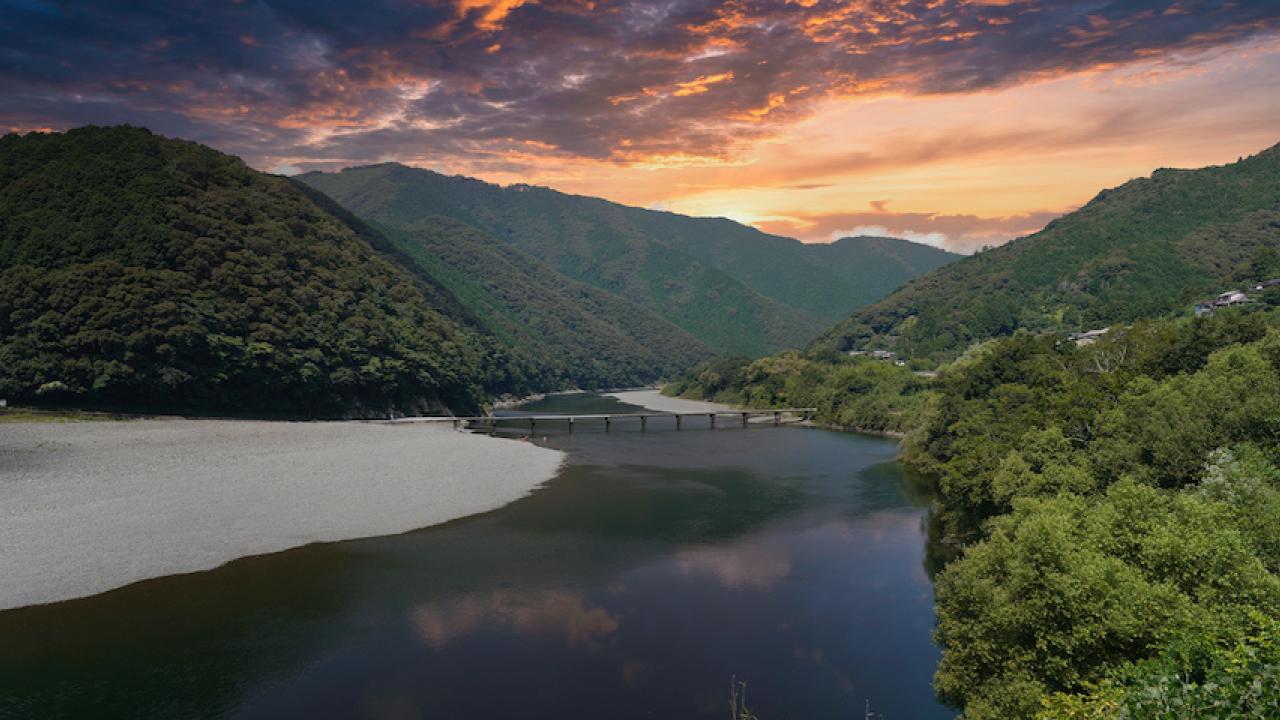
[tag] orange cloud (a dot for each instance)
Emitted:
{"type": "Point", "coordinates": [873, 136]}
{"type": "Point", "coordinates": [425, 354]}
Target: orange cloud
{"type": "Point", "coordinates": [776, 100]}
{"type": "Point", "coordinates": [489, 14]}
{"type": "Point", "coordinates": [785, 113]}
{"type": "Point", "coordinates": [699, 84]}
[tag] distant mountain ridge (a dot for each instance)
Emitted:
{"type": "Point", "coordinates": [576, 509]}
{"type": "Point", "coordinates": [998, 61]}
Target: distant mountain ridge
{"type": "Point", "coordinates": [881, 260]}
{"type": "Point", "coordinates": [1144, 249]}
{"type": "Point", "coordinates": [736, 289]}
{"type": "Point", "coordinates": [571, 334]}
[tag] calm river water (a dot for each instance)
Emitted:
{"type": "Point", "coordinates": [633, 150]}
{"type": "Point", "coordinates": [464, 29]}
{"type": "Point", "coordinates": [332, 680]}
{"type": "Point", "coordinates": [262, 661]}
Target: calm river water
{"type": "Point", "coordinates": [656, 567]}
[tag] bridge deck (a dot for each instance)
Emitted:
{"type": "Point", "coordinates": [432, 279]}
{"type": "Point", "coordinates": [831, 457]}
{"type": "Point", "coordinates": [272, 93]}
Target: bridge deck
{"type": "Point", "coordinates": [607, 416]}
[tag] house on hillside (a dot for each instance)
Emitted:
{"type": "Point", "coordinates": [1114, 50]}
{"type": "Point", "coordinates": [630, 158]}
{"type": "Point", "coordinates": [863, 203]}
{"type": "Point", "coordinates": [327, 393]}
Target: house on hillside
{"type": "Point", "coordinates": [1088, 337]}
{"type": "Point", "coordinates": [873, 354]}
{"type": "Point", "coordinates": [1226, 299]}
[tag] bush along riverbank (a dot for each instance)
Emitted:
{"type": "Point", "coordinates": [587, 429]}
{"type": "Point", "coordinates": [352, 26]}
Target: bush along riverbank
{"type": "Point", "coordinates": [851, 393]}
{"type": "Point", "coordinates": [1116, 508]}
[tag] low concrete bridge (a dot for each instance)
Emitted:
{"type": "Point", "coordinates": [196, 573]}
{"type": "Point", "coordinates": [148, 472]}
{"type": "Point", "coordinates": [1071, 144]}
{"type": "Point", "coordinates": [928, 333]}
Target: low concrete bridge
{"type": "Point", "coordinates": [490, 422]}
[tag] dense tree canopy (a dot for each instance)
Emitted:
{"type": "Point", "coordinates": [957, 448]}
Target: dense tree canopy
{"type": "Point", "coordinates": [1118, 501]}
{"type": "Point", "coordinates": [140, 271]}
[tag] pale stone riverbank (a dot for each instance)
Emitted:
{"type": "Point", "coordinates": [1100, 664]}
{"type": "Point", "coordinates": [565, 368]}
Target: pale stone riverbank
{"type": "Point", "coordinates": [88, 507]}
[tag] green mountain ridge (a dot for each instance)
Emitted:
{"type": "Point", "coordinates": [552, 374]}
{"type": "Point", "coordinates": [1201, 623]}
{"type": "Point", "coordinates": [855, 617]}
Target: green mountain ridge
{"type": "Point", "coordinates": [146, 272]}
{"type": "Point", "coordinates": [141, 271]}
{"type": "Point", "coordinates": [1147, 248]}
{"type": "Point", "coordinates": [738, 290]}
{"type": "Point", "coordinates": [573, 334]}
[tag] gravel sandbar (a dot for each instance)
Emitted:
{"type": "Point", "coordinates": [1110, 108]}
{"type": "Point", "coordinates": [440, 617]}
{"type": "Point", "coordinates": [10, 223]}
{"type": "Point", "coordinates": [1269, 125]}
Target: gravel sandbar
{"type": "Point", "coordinates": [656, 401]}
{"type": "Point", "coordinates": [88, 507]}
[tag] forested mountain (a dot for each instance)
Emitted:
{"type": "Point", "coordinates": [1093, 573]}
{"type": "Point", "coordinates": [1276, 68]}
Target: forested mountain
{"type": "Point", "coordinates": [141, 271]}
{"type": "Point", "coordinates": [1149, 247]}
{"type": "Point", "coordinates": [879, 265]}
{"type": "Point", "coordinates": [736, 289]}
{"type": "Point", "coordinates": [570, 332]}
{"type": "Point", "coordinates": [147, 272]}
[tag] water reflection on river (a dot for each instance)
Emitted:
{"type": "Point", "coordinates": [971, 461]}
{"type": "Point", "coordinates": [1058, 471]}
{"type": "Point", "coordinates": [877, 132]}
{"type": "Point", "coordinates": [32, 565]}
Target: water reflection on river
{"type": "Point", "coordinates": [655, 567]}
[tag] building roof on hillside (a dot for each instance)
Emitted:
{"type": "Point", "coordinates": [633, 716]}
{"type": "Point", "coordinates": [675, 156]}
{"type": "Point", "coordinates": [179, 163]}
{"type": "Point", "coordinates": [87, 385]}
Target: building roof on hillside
{"type": "Point", "coordinates": [1088, 337]}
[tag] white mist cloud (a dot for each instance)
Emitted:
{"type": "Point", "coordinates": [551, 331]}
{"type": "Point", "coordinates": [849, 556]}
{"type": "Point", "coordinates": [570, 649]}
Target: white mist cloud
{"type": "Point", "coordinates": [936, 239]}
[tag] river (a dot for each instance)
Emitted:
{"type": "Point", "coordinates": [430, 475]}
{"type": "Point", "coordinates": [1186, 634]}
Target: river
{"type": "Point", "coordinates": [652, 570]}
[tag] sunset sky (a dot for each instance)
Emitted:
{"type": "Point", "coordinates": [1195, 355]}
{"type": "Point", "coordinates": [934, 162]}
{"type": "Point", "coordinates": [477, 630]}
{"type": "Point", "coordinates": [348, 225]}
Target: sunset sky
{"type": "Point", "coordinates": [955, 122]}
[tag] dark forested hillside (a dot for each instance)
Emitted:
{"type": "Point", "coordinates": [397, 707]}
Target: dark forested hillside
{"type": "Point", "coordinates": [736, 289]}
{"type": "Point", "coordinates": [1144, 249]}
{"type": "Point", "coordinates": [141, 271]}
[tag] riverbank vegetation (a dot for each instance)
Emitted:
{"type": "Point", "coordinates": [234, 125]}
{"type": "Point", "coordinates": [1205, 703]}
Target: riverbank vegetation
{"type": "Point", "coordinates": [851, 393]}
{"type": "Point", "coordinates": [58, 415]}
{"type": "Point", "coordinates": [1118, 504]}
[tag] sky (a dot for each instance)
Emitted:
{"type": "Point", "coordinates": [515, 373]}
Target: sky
{"type": "Point", "coordinates": [960, 123]}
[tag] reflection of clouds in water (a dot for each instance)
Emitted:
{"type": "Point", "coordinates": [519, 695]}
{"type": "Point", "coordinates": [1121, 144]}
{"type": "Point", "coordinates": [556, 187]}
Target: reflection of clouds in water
{"type": "Point", "coordinates": [759, 563]}
{"type": "Point", "coordinates": [544, 612]}
{"type": "Point", "coordinates": [755, 565]}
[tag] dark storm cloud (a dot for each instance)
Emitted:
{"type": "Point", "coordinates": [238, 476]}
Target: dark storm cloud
{"type": "Point", "coordinates": [322, 83]}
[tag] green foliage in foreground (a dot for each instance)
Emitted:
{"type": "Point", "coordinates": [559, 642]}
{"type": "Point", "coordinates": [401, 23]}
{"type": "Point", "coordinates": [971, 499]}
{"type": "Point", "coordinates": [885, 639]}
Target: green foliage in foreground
{"type": "Point", "coordinates": [1120, 503]}
{"type": "Point", "coordinates": [137, 271]}
{"type": "Point", "coordinates": [1196, 679]}
{"type": "Point", "coordinates": [850, 393]}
